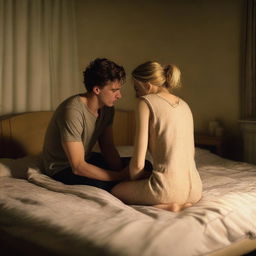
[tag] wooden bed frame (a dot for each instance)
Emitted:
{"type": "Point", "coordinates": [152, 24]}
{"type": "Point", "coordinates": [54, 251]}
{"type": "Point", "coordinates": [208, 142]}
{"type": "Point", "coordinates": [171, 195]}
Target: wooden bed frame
{"type": "Point", "coordinates": [23, 134]}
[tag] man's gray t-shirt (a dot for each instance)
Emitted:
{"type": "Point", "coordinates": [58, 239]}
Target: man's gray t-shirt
{"type": "Point", "coordinates": [72, 121]}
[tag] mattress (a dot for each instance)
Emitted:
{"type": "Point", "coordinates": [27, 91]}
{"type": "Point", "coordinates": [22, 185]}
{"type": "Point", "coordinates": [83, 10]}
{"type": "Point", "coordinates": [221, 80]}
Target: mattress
{"type": "Point", "coordinates": [85, 220]}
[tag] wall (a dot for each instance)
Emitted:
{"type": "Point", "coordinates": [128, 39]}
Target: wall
{"type": "Point", "coordinates": [201, 36]}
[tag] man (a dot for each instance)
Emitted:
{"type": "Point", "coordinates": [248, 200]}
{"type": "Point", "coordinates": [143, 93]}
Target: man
{"type": "Point", "coordinates": [78, 123]}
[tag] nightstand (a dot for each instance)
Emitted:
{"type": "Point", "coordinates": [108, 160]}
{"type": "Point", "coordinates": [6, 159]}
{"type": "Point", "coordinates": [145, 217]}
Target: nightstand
{"type": "Point", "coordinates": [212, 143]}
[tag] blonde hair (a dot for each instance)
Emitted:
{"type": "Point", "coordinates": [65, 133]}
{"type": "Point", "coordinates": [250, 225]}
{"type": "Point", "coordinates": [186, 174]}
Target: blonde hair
{"type": "Point", "coordinates": [163, 76]}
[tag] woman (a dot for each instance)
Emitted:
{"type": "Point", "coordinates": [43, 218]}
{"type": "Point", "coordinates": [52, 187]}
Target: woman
{"type": "Point", "coordinates": [165, 127]}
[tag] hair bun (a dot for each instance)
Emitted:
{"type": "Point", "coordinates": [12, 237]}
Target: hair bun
{"type": "Point", "coordinates": [172, 74]}
{"type": "Point", "coordinates": [167, 76]}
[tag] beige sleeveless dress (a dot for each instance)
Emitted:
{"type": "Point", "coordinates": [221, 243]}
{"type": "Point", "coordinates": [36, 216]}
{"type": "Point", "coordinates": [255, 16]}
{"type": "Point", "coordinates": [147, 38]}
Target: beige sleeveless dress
{"type": "Point", "coordinates": [171, 144]}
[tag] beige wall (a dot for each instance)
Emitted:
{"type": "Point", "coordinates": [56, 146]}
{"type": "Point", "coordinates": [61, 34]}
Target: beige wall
{"type": "Point", "coordinates": [201, 36]}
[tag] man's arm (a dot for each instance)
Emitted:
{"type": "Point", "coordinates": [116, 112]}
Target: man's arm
{"type": "Point", "coordinates": [76, 153]}
{"type": "Point", "coordinates": [108, 149]}
{"type": "Point", "coordinates": [141, 142]}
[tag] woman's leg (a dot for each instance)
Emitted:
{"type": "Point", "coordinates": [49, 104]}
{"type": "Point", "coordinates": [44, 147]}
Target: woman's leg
{"type": "Point", "coordinates": [138, 192]}
{"type": "Point", "coordinates": [134, 192]}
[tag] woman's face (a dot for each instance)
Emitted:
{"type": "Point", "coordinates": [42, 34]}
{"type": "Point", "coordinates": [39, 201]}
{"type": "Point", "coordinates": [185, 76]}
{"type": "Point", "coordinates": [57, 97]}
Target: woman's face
{"type": "Point", "coordinates": [140, 88]}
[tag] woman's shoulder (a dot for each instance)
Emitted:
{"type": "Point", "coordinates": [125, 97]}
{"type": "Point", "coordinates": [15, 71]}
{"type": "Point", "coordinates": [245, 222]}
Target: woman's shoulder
{"type": "Point", "coordinates": [148, 99]}
{"type": "Point", "coordinates": [183, 103]}
{"type": "Point", "coordinates": [148, 96]}
{"type": "Point", "coordinates": [145, 100]}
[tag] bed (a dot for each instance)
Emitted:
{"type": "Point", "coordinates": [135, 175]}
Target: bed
{"type": "Point", "coordinates": [40, 216]}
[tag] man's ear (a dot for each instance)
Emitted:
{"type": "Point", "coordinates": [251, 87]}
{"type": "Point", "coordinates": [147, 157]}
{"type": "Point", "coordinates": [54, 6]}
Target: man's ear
{"type": "Point", "coordinates": [96, 90]}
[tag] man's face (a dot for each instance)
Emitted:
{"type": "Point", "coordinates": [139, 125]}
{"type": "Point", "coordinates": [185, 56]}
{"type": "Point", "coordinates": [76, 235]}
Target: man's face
{"type": "Point", "coordinates": [110, 93]}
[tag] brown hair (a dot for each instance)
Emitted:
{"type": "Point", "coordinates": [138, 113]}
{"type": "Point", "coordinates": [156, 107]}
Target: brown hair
{"type": "Point", "coordinates": [101, 71]}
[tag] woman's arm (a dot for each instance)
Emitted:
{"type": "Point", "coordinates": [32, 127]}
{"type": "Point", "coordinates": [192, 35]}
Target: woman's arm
{"type": "Point", "coordinates": [141, 141]}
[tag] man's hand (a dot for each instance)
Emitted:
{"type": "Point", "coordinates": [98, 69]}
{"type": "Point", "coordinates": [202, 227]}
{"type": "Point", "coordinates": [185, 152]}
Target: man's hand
{"type": "Point", "coordinates": [75, 153]}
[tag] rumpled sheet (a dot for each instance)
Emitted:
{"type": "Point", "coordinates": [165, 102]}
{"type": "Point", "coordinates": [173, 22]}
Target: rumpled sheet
{"type": "Point", "coordinates": [83, 220]}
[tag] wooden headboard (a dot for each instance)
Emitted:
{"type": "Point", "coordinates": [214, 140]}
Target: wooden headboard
{"type": "Point", "coordinates": [23, 134]}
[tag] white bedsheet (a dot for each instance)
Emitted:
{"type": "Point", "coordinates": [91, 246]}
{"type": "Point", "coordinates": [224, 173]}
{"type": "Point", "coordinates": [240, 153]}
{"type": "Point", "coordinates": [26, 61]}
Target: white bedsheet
{"type": "Point", "coordinates": [84, 220]}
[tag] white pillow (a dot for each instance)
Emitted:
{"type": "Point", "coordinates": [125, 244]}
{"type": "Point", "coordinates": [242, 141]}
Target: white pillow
{"type": "Point", "coordinates": [18, 168]}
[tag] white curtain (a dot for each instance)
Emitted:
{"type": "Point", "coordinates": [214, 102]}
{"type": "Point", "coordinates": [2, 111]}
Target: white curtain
{"type": "Point", "coordinates": [248, 87]}
{"type": "Point", "coordinates": [38, 54]}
